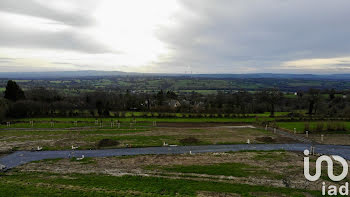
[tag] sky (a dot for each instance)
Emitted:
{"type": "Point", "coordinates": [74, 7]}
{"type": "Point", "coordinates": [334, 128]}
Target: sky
{"type": "Point", "coordinates": [176, 36]}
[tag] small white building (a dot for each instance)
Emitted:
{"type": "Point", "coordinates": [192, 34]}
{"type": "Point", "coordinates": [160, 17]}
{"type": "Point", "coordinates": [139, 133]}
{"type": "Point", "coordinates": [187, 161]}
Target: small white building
{"type": "Point", "coordinates": [2, 167]}
{"type": "Point", "coordinates": [174, 103]}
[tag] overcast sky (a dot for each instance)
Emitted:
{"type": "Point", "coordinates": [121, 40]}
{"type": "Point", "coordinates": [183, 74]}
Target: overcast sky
{"type": "Point", "coordinates": [176, 36]}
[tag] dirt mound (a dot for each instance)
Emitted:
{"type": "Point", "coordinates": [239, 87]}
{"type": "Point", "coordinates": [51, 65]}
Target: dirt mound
{"type": "Point", "coordinates": [107, 143]}
{"type": "Point", "coordinates": [265, 139]}
{"type": "Point", "coordinates": [189, 141]}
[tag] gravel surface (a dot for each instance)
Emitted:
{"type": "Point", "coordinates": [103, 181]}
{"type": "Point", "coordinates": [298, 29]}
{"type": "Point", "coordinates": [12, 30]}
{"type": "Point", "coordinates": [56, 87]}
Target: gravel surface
{"type": "Point", "coordinates": [22, 157]}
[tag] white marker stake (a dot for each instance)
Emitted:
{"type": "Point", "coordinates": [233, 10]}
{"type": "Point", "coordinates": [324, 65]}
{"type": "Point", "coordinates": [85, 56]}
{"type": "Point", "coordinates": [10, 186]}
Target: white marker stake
{"type": "Point", "coordinates": [295, 130]}
{"type": "Point", "coordinates": [307, 133]}
{"type": "Point", "coordinates": [248, 141]}
{"type": "Point", "coordinates": [322, 137]}
{"type": "Point", "coordinates": [312, 150]}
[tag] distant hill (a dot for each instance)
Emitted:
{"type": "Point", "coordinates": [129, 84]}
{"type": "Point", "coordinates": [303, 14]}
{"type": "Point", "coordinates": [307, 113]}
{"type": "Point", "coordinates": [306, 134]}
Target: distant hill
{"type": "Point", "coordinates": [94, 73]}
{"type": "Point", "coordinates": [60, 74]}
{"type": "Point", "coordinates": [276, 76]}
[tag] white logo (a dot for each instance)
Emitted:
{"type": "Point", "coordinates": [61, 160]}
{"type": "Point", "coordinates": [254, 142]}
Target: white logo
{"type": "Point", "coordinates": [330, 167]}
{"type": "Point", "coordinates": [332, 190]}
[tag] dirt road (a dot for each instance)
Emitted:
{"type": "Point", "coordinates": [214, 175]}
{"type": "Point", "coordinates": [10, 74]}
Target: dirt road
{"type": "Point", "coordinates": [22, 157]}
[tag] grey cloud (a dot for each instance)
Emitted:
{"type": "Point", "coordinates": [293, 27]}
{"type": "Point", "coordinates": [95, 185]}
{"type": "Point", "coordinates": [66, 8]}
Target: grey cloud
{"type": "Point", "coordinates": [256, 34]}
{"type": "Point", "coordinates": [6, 60]}
{"type": "Point", "coordinates": [36, 9]}
{"type": "Point", "coordinates": [63, 40]}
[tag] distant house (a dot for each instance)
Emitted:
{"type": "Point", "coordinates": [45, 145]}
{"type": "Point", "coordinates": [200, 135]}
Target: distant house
{"type": "Point", "coordinates": [174, 103]}
{"type": "Point", "coordinates": [199, 106]}
{"type": "Point", "coordinates": [186, 102]}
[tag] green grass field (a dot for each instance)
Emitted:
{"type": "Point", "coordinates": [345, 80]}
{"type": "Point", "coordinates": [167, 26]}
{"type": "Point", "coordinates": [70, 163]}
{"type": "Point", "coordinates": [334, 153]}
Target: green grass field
{"type": "Point", "coordinates": [197, 120]}
{"type": "Point", "coordinates": [150, 120]}
{"type": "Point", "coordinates": [122, 115]}
{"type": "Point", "coordinates": [64, 134]}
{"type": "Point", "coordinates": [226, 169]}
{"type": "Point", "coordinates": [66, 123]}
{"type": "Point", "coordinates": [51, 184]}
{"type": "Point", "coordinates": [301, 125]}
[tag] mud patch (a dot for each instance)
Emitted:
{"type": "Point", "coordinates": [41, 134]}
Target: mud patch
{"type": "Point", "coordinates": [265, 139]}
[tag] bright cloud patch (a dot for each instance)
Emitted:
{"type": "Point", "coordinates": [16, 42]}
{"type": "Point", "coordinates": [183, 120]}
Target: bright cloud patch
{"type": "Point", "coordinates": [202, 36]}
{"type": "Point", "coordinates": [319, 63]}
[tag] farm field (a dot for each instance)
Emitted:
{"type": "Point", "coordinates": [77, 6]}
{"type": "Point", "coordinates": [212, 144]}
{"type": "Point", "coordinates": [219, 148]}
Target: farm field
{"type": "Point", "coordinates": [141, 119]}
{"type": "Point", "coordinates": [170, 117]}
{"type": "Point", "coordinates": [329, 133]}
{"type": "Point", "coordinates": [300, 126]}
{"type": "Point", "coordinates": [246, 173]}
{"type": "Point", "coordinates": [87, 134]}
{"type": "Point", "coordinates": [64, 135]}
{"type": "Point", "coordinates": [179, 84]}
{"type": "Point", "coordinates": [331, 138]}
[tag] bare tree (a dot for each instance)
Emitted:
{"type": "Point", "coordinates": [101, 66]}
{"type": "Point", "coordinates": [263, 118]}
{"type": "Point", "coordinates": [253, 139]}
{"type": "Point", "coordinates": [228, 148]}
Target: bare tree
{"type": "Point", "coordinates": [272, 97]}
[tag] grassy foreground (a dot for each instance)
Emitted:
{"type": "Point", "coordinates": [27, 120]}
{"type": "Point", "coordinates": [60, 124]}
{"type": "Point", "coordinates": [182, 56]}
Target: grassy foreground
{"type": "Point", "coordinates": [224, 174]}
{"type": "Point", "coordinates": [52, 184]}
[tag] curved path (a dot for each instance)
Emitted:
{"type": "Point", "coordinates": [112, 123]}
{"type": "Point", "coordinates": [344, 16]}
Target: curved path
{"type": "Point", "coordinates": [22, 157]}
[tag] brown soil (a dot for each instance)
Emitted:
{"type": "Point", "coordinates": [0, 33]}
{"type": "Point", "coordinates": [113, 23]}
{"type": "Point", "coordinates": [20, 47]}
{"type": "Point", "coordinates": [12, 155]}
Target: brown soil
{"type": "Point", "coordinates": [287, 165]}
{"type": "Point", "coordinates": [212, 135]}
{"type": "Point", "coordinates": [336, 139]}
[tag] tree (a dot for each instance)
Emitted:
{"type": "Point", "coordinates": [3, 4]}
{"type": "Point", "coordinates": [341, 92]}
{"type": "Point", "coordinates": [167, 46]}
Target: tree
{"type": "Point", "coordinates": [99, 106]}
{"type": "Point", "coordinates": [241, 101]}
{"type": "Point", "coordinates": [3, 108]}
{"type": "Point", "coordinates": [171, 95]}
{"type": "Point", "coordinates": [332, 94]}
{"type": "Point", "coordinates": [313, 99]}
{"type": "Point", "coordinates": [43, 95]}
{"type": "Point", "coordinates": [160, 98]}
{"type": "Point", "coordinates": [272, 97]}
{"type": "Point", "coordinates": [13, 92]}
{"type": "Point", "coordinates": [20, 109]}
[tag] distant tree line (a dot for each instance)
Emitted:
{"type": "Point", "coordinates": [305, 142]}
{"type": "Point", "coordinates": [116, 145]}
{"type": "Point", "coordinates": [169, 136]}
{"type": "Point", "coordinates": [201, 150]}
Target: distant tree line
{"type": "Point", "coordinates": [46, 102]}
